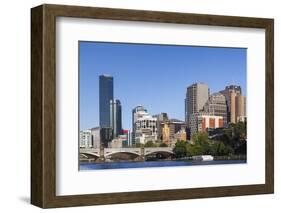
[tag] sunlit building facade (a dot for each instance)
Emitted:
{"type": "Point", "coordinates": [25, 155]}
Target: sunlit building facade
{"type": "Point", "coordinates": [196, 96]}
{"type": "Point", "coordinates": [216, 105]}
{"type": "Point", "coordinates": [236, 103]}
{"type": "Point", "coordinates": [201, 122]}
{"type": "Point", "coordinates": [85, 139]}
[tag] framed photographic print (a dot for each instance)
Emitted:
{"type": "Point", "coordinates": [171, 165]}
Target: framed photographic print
{"type": "Point", "coordinates": [136, 106]}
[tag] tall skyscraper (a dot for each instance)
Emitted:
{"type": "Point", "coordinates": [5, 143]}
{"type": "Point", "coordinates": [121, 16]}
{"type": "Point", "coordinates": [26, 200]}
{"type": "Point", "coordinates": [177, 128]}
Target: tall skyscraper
{"type": "Point", "coordinates": [116, 117]}
{"type": "Point", "coordinates": [216, 105]}
{"type": "Point", "coordinates": [236, 103]}
{"type": "Point", "coordinates": [105, 95]}
{"type": "Point", "coordinates": [240, 108]}
{"type": "Point", "coordinates": [105, 136]}
{"type": "Point", "coordinates": [196, 96]}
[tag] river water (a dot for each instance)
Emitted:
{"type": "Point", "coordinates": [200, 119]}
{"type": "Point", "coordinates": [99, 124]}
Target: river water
{"type": "Point", "coordinates": [168, 163]}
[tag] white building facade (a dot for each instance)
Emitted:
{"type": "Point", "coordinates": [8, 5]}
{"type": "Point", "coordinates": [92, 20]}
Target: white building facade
{"type": "Point", "coordinates": [197, 95]}
{"type": "Point", "coordinates": [144, 126]}
{"type": "Point", "coordinates": [85, 139]}
{"type": "Point", "coordinates": [96, 140]}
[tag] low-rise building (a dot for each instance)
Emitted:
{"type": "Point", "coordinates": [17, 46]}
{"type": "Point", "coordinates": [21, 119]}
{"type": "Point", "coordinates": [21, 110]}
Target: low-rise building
{"type": "Point", "coordinates": [85, 139]}
{"type": "Point", "coordinates": [169, 130]}
{"type": "Point", "coordinates": [144, 135]}
{"type": "Point", "coordinates": [216, 105]}
{"type": "Point", "coordinates": [180, 135]}
{"type": "Point", "coordinates": [115, 143]}
{"type": "Point", "coordinates": [101, 136]}
{"type": "Point", "coordinates": [96, 137]}
{"type": "Point", "coordinates": [119, 142]}
{"type": "Point", "coordinates": [161, 117]}
{"type": "Point", "coordinates": [145, 129]}
{"type": "Point", "coordinates": [201, 121]}
{"type": "Point", "coordinates": [126, 134]}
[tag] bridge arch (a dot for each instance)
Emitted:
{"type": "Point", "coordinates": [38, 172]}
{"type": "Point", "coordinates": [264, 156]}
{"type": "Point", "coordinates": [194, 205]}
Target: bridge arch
{"type": "Point", "coordinates": [89, 155]}
{"type": "Point", "coordinates": [118, 152]}
{"type": "Point", "coordinates": [160, 154]}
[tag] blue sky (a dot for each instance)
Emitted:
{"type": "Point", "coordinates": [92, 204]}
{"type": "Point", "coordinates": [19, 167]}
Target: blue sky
{"type": "Point", "coordinates": [155, 76]}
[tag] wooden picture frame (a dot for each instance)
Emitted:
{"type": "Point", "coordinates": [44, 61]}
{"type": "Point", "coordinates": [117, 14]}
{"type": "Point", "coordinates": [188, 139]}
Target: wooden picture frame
{"type": "Point", "coordinates": [43, 105]}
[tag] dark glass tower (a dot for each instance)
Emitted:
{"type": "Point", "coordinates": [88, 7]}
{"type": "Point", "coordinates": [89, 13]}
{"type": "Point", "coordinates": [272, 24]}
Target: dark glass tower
{"type": "Point", "coordinates": [116, 117]}
{"type": "Point", "coordinates": [105, 96]}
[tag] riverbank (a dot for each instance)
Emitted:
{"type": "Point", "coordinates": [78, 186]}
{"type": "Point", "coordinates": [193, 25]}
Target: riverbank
{"type": "Point", "coordinates": [216, 158]}
{"type": "Point", "coordinates": [147, 164]}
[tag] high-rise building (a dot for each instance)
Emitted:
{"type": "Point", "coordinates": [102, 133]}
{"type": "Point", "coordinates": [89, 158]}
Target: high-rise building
{"type": "Point", "coordinates": [161, 117]}
{"type": "Point", "coordinates": [144, 126]}
{"type": "Point", "coordinates": [85, 139]}
{"type": "Point", "coordinates": [216, 105]}
{"type": "Point", "coordinates": [236, 103]}
{"type": "Point", "coordinates": [196, 96]}
{"type": "Point", "coordinates": [105, 95]}
{"type": "Point", "coordinates": [116, 117]}
{"type": "Point", "coordinates": [240, 108]}
{"type": "Point", "coordinates": [106, 136]}
{"type": "Point", "coordinates": [201, 121]}
{"type": "Point", "coordinates": [145, 129]}
{"type": "Point", "coordinates": [137, 113]}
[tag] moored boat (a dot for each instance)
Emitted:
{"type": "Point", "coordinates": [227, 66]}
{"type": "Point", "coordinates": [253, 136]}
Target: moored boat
{"type": "Point", "coordinates": [203, 157]}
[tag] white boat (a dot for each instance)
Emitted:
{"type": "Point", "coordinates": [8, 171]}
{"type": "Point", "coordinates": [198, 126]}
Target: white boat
{"type": "Point", "coordinates": [203, 157]}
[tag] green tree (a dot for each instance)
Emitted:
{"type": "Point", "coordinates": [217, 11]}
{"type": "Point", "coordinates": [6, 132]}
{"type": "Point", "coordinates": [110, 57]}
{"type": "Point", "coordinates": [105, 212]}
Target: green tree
{"type": "Point", "coordinates": [201, 144]}
{"type": "Point", "coordinates": [220, 149]}
{"type": "Point", "coordinates": [200, 138]}
{"type": "Point", "coordinates": [138, 145]}
{"type": "Point", "coordinates": [240, 131]}
{"type": "Point", "coordinates": [149, 144]}
{"type": "Point", "coordinates": [163, 145]}
{"type": "Point", "coordinates": [190, 150]}
{"type": "Point", "coordinates": [193, 149]}
{"type": "Point", "coordinates": [234, 138]}
{"type": "Point", "coordinates": [180, 149]}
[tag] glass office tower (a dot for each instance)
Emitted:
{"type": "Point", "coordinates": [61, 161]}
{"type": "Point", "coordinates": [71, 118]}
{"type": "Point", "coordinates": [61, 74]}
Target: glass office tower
{"type": "Point", "coordinates": [105, 96]}
{"type": "Point", "coordinates": [116, 117]}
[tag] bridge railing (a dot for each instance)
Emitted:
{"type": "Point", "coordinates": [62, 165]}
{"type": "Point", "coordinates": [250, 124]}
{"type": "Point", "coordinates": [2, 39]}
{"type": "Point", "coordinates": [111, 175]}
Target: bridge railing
{"type": "Point", "coordinates": [139, 151]}
{"type": "Point", "coordinates": [122, 149]}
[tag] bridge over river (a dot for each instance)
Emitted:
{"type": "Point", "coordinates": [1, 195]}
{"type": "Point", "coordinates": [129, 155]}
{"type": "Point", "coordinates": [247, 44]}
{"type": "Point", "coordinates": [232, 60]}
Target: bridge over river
{"type": "Point", "coordinates": [137, 154]}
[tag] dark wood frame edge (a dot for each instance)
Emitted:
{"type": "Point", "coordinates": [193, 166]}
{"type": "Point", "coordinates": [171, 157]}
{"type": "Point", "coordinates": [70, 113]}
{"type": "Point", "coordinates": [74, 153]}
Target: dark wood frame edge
{"type": "Point", "coordinates": [43, 105]}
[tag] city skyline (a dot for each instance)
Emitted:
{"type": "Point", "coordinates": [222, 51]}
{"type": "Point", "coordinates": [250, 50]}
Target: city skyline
{"type": "Point", "coordinates": [157, 84]}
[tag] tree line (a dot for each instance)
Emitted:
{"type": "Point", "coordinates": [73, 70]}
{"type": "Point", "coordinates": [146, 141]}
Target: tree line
{"type": "Point", "coordinates": [226, 142]}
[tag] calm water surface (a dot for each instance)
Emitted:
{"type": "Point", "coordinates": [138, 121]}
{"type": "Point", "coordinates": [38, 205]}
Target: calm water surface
{"type": "Point", "coordinates": [119, 165]}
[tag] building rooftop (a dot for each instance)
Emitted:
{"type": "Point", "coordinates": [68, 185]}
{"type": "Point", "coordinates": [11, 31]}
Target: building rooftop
{"type": "Point", "coordinates": [106, 75]}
